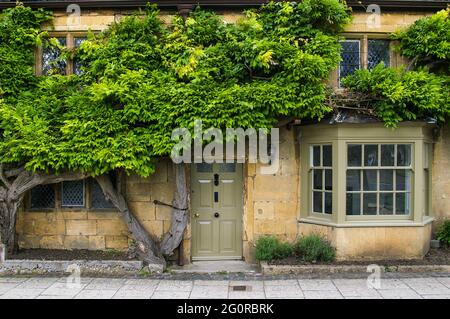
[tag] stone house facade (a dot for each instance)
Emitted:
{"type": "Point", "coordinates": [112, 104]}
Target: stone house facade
{"type": "Point", "coordinates": [373, 192]}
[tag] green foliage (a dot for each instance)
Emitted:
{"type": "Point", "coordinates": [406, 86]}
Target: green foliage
{"type": "Point", "coordinates": [400, 96]}
{"type": "Point", "coordinates": [428, 38]}
{"type": "Point", "coordinates": [314, 248]}
{"type": "Point", "coordinates": [142, 79]}
{"type": "Point", "coordinates": [19, 34]}
{"type": "Point", "coordinates": [443, 233]}
{"type": "Point", "coordinates": [270, 248]}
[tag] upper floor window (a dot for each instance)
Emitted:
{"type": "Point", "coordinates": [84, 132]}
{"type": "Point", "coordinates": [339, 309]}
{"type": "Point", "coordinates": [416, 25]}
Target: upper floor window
{"type": "Point", "coordinates": [362, 54]}
{"type": "Point", "coordinates": [49, 59]}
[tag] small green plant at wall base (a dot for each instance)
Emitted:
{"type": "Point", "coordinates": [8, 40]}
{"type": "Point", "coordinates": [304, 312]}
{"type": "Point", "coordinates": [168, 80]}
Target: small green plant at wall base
{"type": "Point", "coordinates": [443, 233]}
{"type": "Point", "coordinates": [314, 248]}
{"type": "Point", "coordinates": [269, 248]}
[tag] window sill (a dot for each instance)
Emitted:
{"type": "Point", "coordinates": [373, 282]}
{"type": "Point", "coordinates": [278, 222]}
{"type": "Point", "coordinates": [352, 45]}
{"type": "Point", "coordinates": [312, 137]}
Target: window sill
{"type": "Point", "coordinates": [368, 223]}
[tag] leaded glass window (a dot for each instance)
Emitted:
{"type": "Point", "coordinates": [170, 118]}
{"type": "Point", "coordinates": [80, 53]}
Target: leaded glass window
{"type": "Point", "coordinates": [73, 194]}
{"type": "Point", "coordinates": [378, 51]}
{"type": "Point", "coordinates": [77, 64]}
{"type": "Point", "coordinates": [351, 58]}
{"type": "Point", "coordinates": [322, 178]}
{"type": "Point", "coordinates": [98, 199]}
{"type": "Point", "coordinates": [43, 197]}
{"type": "Point", "coordinates": [51, 62]}
{"type": "Point", "coordinates": [379, 179]}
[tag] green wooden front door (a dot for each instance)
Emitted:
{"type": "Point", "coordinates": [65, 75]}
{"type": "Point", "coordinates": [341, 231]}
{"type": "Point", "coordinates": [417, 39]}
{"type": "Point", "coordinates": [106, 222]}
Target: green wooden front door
{"type": "Point", "coordinates": [217, 206]}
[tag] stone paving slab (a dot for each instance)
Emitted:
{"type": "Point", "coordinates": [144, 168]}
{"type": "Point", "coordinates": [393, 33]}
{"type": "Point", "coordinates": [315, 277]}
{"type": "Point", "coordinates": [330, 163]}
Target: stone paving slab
{"type": "Point", "coordinates": [426, 287]}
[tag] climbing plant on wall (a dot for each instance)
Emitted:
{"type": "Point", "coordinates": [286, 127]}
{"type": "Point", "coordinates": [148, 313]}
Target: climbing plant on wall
{"type": "Point", "coordinates": [140, 80]}
{"type": "Point", "coordinates": [419, 90]}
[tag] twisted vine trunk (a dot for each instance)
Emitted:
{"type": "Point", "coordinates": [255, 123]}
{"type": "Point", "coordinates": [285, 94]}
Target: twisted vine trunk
{"type": "Point", "coordinates": [180, 213]}
{"type": "Point", "coordinates": [146, 247]}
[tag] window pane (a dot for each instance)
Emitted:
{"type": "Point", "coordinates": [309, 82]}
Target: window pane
{"type": "Point", "coordinates": [353, 180]}
{"type": "Point", "coordinates": [317, 202]}
{"type": "Point", "coordinates": [387, 155]}
{"type": "Point", "coordinates": [72, 194]}
{"type": "Point", "coordinates": [371, 155]}
{"type": "Point", "coordinates": [317, 178]}
{"type": "Point", "coordinates": [354, 154]}
{"type": "Point", "coordinates": [353, 204]}
{"type": "Point", "coordinates": [77, 63]}
{"type": "Point", "coordinates": [204, 167]}
{"type": "Point", "coordinates": [327, 155]}
{"type": "Point", "coordinates": [350, 58]}
{"type": "Point", "coordinates": [378, 52]}
{"type": "Point", "coordinates": [402, 203]}
{"type": "Point", "coordinates": [386, 204]}
{"type": "Point", "coordinates": [403, 180]}
{"type": "Point", "coordinates": [328, 179]}
{"type": "Point", "coordinates": [98, 198]}
{"type": "Point", "coordinates": [43, 196]}
{"type": "Point", "coordinates": [403, 155]}
{"type": "Point", "coordinates": [328, 203]}
{"type": "Point", "coordinates": [227, 167]}
{"type": "Point", "coordinates": [316, 155]}
{"type": "Point", "coordinates": [369, 204]}
{"type": "Point", "coordinates": [370, 180]}
{"type": "Point", "coordinates": [386, 179]}
{"type": "Point", "coordinates": [50, 62]}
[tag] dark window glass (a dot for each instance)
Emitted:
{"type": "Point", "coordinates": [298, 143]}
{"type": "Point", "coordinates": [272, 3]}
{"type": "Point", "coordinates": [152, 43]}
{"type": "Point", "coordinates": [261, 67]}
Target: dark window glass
{"type": "Point", "coordinates": [204, 168]}
{"type": "Point", "coordinates": [72, 194]}
{"type": "Point", "coordinates": [317, 202]}
{"type": "Point", "coordinates": [386, 179]}
{"type": "Point", "coordinates": [350, 58]}
{"type": "Point", "coordinates": [51, 64]}
{"type": "Point", "coordinates": [77, 64]}
{"type": "Point", "coordinates": [403, 154]}
{"type": "Point", "coordinates": [369, 204]}
{"type": "Point", "coordinates": [353, 204]}
{"type": "Point", "coordinates": [402, 203]}
{"type": "Point", "coordinates": [227, 167]}
{"type": "Point", "coordinates": [354, 155]}
{"type": "Point", "coordinates": [403, 180]}
{"type": "Point", "coordinates": [328, 179]}
{"type": "Point", "coordinates": [378, 52]}
{"type": "Point", "coordinates": [43, 196]}
{"type": "Point", "coordinates": [386, 204]}
{"type": "Point", "coordinates": [98, 198]}
{"type": "Point", "coordinates": [316, 155]}
{"type": "Point", "coordinates": [387, 155]}
{"type": "Point", "coordinates": [327, 155]}
{"type": "Point", "coordinates": [370, 180]}
{"type": "Point", "coordinates": [353, 180]}
{"type": "Point", "coordinates": [371, 155]}
{"type": "Point", "coordinates": [317, 179]}
{"type": "Point", "coordinates": [328, 203]}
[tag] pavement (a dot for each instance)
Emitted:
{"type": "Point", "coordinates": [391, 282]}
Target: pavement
{"type": "Point", "coordinates": [423, 287]}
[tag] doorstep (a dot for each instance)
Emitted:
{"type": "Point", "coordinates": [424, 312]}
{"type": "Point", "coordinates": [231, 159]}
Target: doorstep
{"type": "Point", "coordinates": [99, 267]}
{"type": "Point", "coordinates": [271, 270]}
{"type": "Point", "coordinates": [217, 266]}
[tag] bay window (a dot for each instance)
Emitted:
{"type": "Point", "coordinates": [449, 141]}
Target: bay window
{"type": "Point", "coordinates": [365, 173]}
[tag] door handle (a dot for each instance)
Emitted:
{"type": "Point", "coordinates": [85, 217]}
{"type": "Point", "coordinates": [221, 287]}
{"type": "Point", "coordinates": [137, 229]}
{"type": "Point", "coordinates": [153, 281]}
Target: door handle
{"type": "Point", "coordinates": [216, 215]}
{"type": "Point", "coordinates": [196, 215]}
